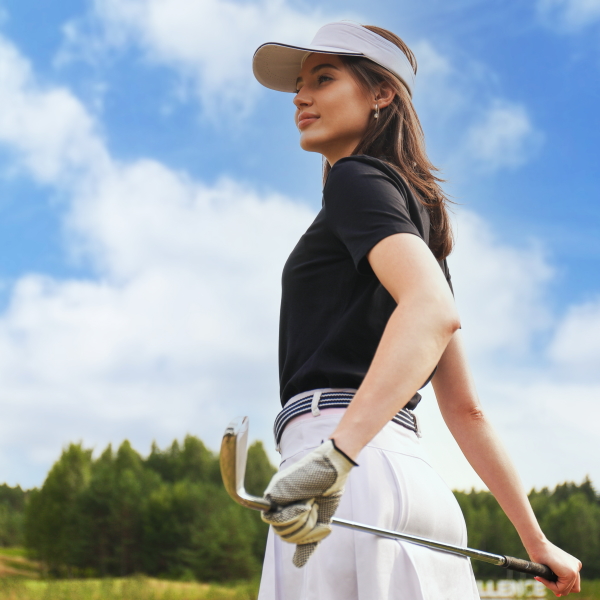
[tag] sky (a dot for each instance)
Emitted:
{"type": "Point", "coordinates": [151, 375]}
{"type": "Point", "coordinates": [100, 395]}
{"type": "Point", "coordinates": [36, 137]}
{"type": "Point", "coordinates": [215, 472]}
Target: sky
{"type": "Point", "coordinates": [151, 191]}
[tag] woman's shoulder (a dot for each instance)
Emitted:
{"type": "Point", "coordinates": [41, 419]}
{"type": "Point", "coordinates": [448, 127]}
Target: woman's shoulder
{"type": "Point", "coordinates": [361, 169]}
{"type": "Point", "coordinates": [362, 163]}
{"type": "Point", "coordinates": [365, 177]}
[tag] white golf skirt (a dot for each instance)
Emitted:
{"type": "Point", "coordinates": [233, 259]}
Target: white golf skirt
{"type": "Point", "coordinates": [395, 488]}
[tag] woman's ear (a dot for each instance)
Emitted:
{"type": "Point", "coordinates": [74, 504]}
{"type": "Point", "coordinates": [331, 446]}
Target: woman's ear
{"type": "Point", "coordinates": [385, 95]}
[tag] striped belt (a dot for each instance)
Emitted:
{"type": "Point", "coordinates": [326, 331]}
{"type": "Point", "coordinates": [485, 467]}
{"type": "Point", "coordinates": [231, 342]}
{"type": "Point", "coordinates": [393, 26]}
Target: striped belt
{"type": "Point", "coordinates": [315, 400]}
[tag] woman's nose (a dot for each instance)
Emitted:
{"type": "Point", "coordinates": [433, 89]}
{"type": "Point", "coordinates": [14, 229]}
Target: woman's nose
{"type": "Point", "coordinates": [302, 99]}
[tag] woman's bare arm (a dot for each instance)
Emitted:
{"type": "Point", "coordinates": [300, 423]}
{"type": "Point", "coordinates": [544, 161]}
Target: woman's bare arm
{"type": "Point", "coordinates": [462, 412]}
{"type": "Point", "coordinates": [413, 341]}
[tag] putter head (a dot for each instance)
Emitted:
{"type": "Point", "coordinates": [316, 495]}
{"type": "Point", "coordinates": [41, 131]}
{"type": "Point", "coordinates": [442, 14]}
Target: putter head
{"type": "Point", "coordinates": [234, 448]}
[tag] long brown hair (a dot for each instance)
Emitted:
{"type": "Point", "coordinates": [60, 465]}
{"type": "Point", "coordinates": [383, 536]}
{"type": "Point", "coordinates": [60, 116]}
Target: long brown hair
{"type": "Point", "coordinates": [397, 138]}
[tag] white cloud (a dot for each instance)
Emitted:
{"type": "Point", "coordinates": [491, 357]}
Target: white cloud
{"type": "Point", "coordinates": [501, 296]}
{"type": "Point", "coordinates": [209, 42]}
{"type": "Point", "coordinates": [473, 125]}
{"type": "Point", "coordinates": [48, 129]}
{"type": "Point", "coordinates": [545, 410]}
{"type": "Point", "coordinates": [576, 343]}
{"type": "Point", "coordinates": [500, 289]}
{"type": "Point", "coordinates": [177, 331]}
{"type": "Point", "coordinates": [504, 136]}
{"type": "Point", "coordinates": [546, 413]}
{"type": "Point", "coordinates": [548, 424]}
{"type": "Point", "coordinates": [444, 91]}
{"type": "Point", "coordinates": [570, 15]}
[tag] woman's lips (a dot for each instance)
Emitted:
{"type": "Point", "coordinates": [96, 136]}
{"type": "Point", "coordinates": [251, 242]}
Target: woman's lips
{"type": "Point", "coordinates": [306, 121]}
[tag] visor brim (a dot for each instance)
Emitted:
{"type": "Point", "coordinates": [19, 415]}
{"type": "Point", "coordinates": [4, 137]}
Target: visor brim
{"type": "Point", "coordinates": [277, 66]}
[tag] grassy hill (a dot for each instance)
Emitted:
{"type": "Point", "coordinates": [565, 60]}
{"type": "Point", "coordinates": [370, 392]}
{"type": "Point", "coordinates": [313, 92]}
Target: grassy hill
{"type": "Point", "coordinates": [22, 579]}
{"type": "Point", "coordinates": [15, 564]}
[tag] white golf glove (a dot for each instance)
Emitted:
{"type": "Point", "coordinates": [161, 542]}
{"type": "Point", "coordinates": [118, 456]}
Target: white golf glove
{"type": "Point", "coordinates": [306, 496]}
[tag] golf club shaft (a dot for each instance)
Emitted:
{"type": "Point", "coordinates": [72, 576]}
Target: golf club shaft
{"type": "Point", "coordinates": [233, 467]}
{"type": "Point", "coordinates": [508, 562]}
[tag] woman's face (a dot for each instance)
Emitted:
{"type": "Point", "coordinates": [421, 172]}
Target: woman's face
{"type": "Point", "coordinates": [332, 110]}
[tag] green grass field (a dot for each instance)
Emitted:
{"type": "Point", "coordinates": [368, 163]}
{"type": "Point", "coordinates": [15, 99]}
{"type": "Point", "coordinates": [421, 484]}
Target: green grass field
{"type": "Point", "coordinates": [20, 580]}
{"type": "Point", "coordinates": [590, 590]}
{"type": "Point", "coordinates": [141, 588]}
{"type": "Point", "coordinates": [134, 588]}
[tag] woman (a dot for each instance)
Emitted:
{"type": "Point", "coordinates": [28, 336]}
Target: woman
{"type": "Point", "coordinates": [367, 316]}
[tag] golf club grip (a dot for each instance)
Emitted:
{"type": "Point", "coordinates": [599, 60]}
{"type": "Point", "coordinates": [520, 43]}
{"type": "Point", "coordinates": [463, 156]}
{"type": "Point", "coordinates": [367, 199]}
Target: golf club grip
{"type": "Point", "coordinates": [525, 566]}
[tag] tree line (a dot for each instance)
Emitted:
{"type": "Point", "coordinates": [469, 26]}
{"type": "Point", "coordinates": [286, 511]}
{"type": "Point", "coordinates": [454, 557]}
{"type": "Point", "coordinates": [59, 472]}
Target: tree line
{"type": "Point", "coordinates": [12, 508]}
{"type": "Point", "coordinates": [569, 516]}
{"type": "Point", "coordinates": [165, 515]}
{"type": "Point", "coordinates": [168, 515]}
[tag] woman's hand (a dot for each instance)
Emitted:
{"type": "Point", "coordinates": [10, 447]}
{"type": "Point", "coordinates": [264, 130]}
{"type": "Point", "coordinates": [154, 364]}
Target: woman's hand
{"type": "Point", "coordinates": [565, 566]}
{"type": "Point", "coordinates": [305, 496]}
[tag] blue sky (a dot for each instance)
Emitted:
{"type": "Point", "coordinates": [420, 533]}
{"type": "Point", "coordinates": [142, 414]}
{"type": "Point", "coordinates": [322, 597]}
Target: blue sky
{"type": "Point", "coordinates": [151, 191]}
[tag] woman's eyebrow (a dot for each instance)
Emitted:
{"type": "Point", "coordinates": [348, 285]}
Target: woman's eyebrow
{"type": "Point", "coordinates": [315, 69]}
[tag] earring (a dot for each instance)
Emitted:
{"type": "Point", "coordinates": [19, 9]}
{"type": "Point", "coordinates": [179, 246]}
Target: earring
{"type": "Point", "coordinates": [376, 115]}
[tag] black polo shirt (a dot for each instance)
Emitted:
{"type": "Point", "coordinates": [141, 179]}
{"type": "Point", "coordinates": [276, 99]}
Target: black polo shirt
{"type": "Point", "coordinates": [333, 308]}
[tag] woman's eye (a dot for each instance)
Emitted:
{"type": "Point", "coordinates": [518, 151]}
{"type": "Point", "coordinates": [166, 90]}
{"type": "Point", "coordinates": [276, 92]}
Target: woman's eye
{"type": "Point", "coordinates": [320, 79]}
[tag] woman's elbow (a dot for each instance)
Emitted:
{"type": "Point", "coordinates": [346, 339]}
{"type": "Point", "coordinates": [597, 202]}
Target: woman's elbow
{"type": "Point", "coordinates": [437, 309]}
{"type": "Point", "coordinates": [463, 414]}
{"type": "Point", "coordinates": [452, 321]}
{"type": "Point", "coordinates": [474, 414]}
{"type": "Point", "coordinates": [445, 315]}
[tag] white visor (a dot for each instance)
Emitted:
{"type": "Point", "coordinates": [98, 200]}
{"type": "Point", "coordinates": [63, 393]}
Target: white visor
{"type": "Point", "coordinates": [277, 65]}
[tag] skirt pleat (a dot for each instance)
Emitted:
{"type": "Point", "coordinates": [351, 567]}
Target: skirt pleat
{"type": "Point", "coordinates": [395, 488]}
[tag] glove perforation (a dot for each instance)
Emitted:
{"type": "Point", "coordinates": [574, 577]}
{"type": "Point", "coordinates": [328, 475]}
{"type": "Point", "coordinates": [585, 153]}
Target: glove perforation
{"type": "Point", "coordinates": [306, 496]}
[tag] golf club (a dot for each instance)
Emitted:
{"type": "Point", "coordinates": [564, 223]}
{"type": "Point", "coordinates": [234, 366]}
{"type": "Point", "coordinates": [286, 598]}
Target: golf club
{"type": "Point", "coordinates": [233, 470]}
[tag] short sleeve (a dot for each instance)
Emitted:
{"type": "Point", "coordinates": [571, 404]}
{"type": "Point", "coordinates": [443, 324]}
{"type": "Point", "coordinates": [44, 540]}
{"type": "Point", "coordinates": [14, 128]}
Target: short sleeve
{"type": "Point", "coordinates": [364, 205]}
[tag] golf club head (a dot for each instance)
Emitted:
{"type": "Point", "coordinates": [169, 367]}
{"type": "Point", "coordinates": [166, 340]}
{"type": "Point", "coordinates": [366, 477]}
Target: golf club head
{"type": "Point", "coordinates": [234, 448]}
